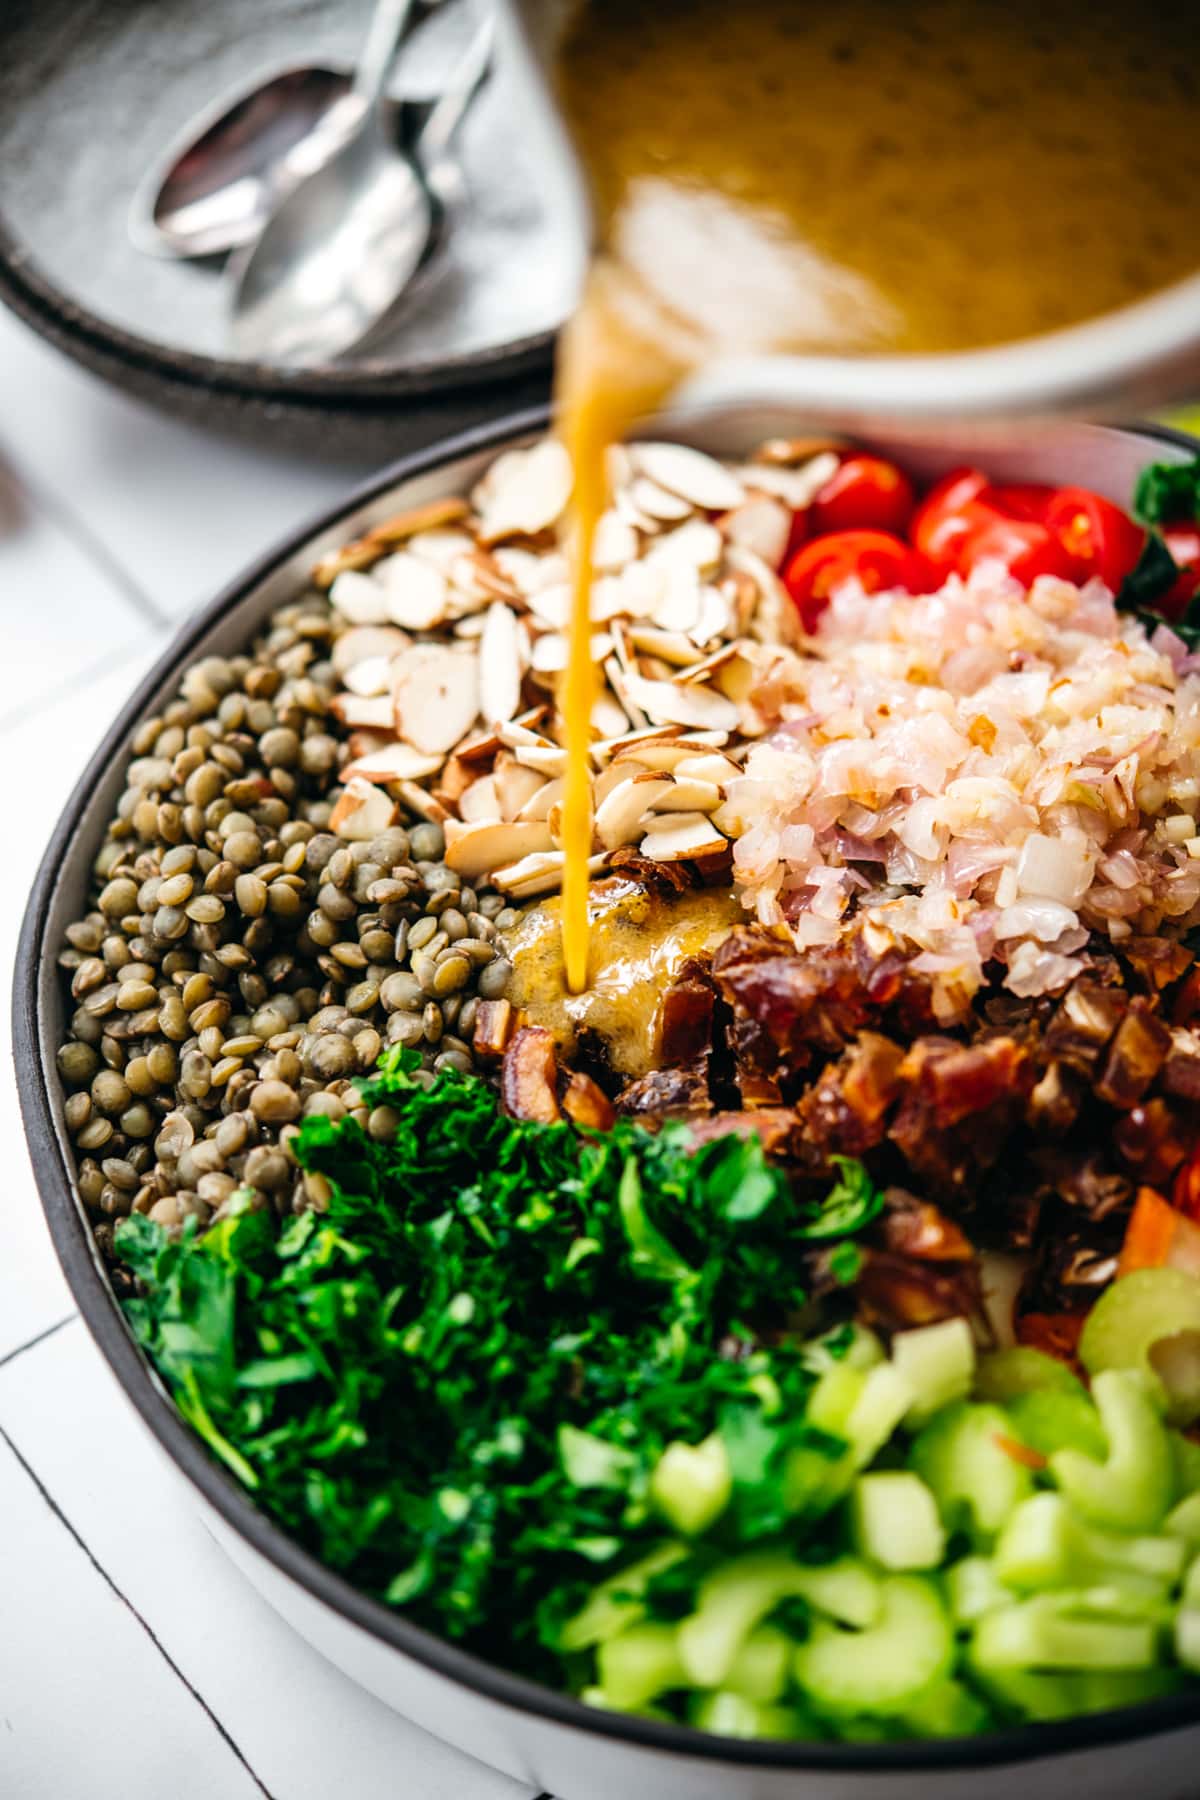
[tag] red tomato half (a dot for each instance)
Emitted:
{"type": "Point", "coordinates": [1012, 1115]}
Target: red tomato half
{"type": "Point", "coordinates": [1021, 499]}
{"type": "Point", "coordinates": [950, 510]}
{"type": "Point", "coordinates": [864, 493]}
{"type": "Point", "coordinates": [1183, 541]}
{"type": "Point", "coordinates": [1026, 550]}
{"type": "Point", "coordinates": [1102, 539]}
{"type": "Point", "coordinates": [877, 558]}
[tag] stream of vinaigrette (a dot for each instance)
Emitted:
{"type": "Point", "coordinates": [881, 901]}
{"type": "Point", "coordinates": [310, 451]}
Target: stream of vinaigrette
{"type": "Point", "coordinates": [776, 176]}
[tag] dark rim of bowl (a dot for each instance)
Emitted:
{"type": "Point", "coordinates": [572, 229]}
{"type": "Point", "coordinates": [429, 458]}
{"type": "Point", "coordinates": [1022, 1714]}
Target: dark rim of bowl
{"type": "Point", "coordinates": [372, 384]}
{"type": "Point", "coordinates": [102, 1314]}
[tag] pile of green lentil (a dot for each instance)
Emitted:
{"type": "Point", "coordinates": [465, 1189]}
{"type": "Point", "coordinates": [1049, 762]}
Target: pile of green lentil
{"type": "Point", "coordinates": [241, 963]}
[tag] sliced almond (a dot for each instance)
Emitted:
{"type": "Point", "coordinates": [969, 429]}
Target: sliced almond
{"type": "Point", "coordinates": [363, 642]}
{"type": "Point", "coordinates": [474, 850]}
{"type": "Point", "coordinates": [524, 492]}
{"type": "Point", "coordinates": [706, 669]}
{"type": "Point", "coordinates": [797, 487]}
{"type": "Point", "coordinates": [359, 598]}
{"type": "Point", "coordinates": [691, 474]}
{"type": "Point", "coordinates": [455, 777]}
{"type": "Point", "coordinates": [370, 677]}
{"type": "Point", "coordinates": [627, 742]}
{"type": "Point", "coordinates": [420, 801]}
{"type": "Point", "coordinates": [670, 646]}
{"type": "Point", "coordinates": [365, 743]}
{"type": "Point", "coordinates": [361, 811]}
{"type": "Point", "coordinates": [530, 571]}
{"type": "Point", "coordinates": [551, 607]}
{"type": "Point", "coordinates": [544, 797]}
{"type": "Point", "coordinates": [670, 703]}
{"type": "Point", "coordinates": [674, 837]}
{"type": "Point", "coordinates": [775, 620]}
{"type": "Point", "coordinates": [540, 874]}
{"type": "Point", "coordinates": [436, 695]}
{"type": "Point", "coordinates": [712, 767]}
{"type": "Point", "coordinates": [668, 754]}
{"type": "Point", "coordinates": [551, 652]}
{"type": "Point", "coordinates": [615, 542]}
{"type": "Point", "coordinates": [440, 547]}
{"type": "Point", "coordinates": [397, 762]}
{"type": "Point", "coordinates": [655, 502]}
{"type": "Point", "coordinates": [499, 665]}
{"type": "Point", "coordinates": [367, 714]}
{"type": "Point", "coordinates": [547, 759]}
{"type": "Point", "coordinates": [434, 515]}
{"type": "Point", "coordinates": [351, 558]}
{"type": "Point", "coordinates": [761, 524]}
{"type": "Point", "coordinates": [677, 605]}
{"type": "Point", "coordinates": [608, 716]}
{"type": "Point", "coordinates": [714, 616]}
{"type": "Point", "coordinates": [620, 814]}
{"type": "Point", "coordinates": [416, 591]}
{"type": "Point", "coordinates": [516, 786]}
{"type": "Point", "coordinates": [624, 769]}
{"type": "Point", "coordinates": [480, 801]}
{"type": "Point", "coordinates": [470, 629]}
{"type": "Point", "coordinates": [690, 795]}
{"type": "Point", "coordinates": [788, 453]}
{"type": "Point", "coordinates": [696, 546]}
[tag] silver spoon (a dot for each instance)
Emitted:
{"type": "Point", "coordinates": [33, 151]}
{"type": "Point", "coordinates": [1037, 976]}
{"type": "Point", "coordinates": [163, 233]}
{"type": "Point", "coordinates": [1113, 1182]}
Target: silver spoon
{"type": "Point", "coordinates": [346, 242]}
{"type": "Point", "coordinates": [216, 184]}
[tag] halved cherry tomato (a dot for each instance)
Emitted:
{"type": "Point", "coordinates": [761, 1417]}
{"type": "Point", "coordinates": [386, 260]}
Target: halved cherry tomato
{"type": "Point", "coordinates": [1102, 539]}
{"type": "Point", "coordinates": [1025, 549]}
{"type": "Point", "coordinates": [1183, 541]}
{"type": "Point", "coordinates": [799, 534]}
{"type": "Point", "coordinates": [878, 559]}
{"type": "Point", "coordinates": [953, 507]}
{"type": "Point", "coordinates": [864, 493]}
{"type": "Point", "coordinates": [1021, 499]}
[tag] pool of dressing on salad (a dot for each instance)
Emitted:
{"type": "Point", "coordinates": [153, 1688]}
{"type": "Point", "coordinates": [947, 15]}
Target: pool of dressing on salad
{"type": "Point", "coordinates": [776, 176]}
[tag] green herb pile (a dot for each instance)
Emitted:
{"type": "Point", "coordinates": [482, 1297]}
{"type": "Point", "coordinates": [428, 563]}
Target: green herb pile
{"type": "Point", "coordinates": [1165, 494]}
{"type": "Point", "coordinates": [455, 1383]}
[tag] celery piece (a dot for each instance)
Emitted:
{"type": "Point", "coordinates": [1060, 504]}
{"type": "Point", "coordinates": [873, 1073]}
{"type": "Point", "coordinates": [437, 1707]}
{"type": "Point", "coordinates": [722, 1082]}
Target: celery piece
{"type": "Point", "coordinates": [862, 1349]}
{"type": "Point", "coordinates": [759, 1671]}
{"type": "Point", "coordinates": [1185, 1456]}
{"type": "Point", "coordinates": [691, 1484]}
{"type": "Point", "coordinates": [938, 1362]}
{"type": "Point", "coordinates": [1102, 1690]}
{"type": "Point", "coordinates": [1035, 1634]}
{"type": "Point", "coordinates": [1132, 1487]}
{"type": "Point", "coordinates": [616, 1603]}
{"type": "Point", "coordinates": [834, 1397]}
{"type": "Point", "coordinates": [728, 1714]}
{"type": "Point", "coordinates": [595, 1696]}
{"type": "Point", "coordinates": [1183, 1521]}
{"type": "Point", "coordinates": [976, 1482]}
{"type": "Point", "coordinates": [1137, 1312]}
{"type": "Point", "coordinates": [1024, 1693]}
{"type": "Point", "coordinates": [590, 1461]}
{"type": "Point", "coordinates": [1052, 1419]}
{"type": "Point", "coordinates": [640, 1663]}
{"type": "Point", "coordinates": [885, 1398]}
{"type": "Point", "coordinates": [886, 1667]}
{"type": "Point", "coordinates": [895, 1521]}
{"type": "Point", "coordinates": [863, 1408]}
{"type": "Point", "coordinates": [945, 1710]}
{"type": "Point", "coordinates": [973, 1587]}
{"type": "Point", "coordinates": [1005, 1374]}
{"type": "Point", "coordinates": [740, 1593]}
{"type": "Point", "coordinates": [1121, 1597]}
{"type": "Point", "coordinates": [1045, 1544]}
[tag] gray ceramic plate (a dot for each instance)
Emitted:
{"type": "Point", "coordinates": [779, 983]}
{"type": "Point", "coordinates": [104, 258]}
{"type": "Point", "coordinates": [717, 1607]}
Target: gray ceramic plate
{"type": "Point", "coordinates": [91, 92]}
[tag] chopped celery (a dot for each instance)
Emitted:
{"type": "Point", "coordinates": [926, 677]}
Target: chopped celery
{"type": "Point", "coordinates": [1132, 1487]}
{"type": "Point", "coordinates": [976, 1482]}
{"type": "Point", "coordinates": [1051, 1419]}
{"type": "Point", "coordinates": [727, 1714]}
{"type": "Point", "coordinates": [640, 1663]}
{"type": "Point", "coordinates": [617, 1603]}
{"type": "Point", "coordinates": [973, 1588]}
{"type": "Point", "coordinates": [947, 1709]}
{"type": "Point", "coordinates": [862, 1350]}
{"type": "Point", "coordinates": [886, 1667]}
{"type": "Point", "coordinates": [1185, 1457]}
{"type": "Point", "coordinates": [1046, 1545]}
{"type": "Point", "coordinates": [1183, 1521]}
{"type": "Point", "coordinates": [691, 1484]}
{"type": "Point", "coordinates": [863, 1408]}
{"type": "Point", "coordinates": [1005, 1374]}
{"type": "Point", "coordinates": [1025, 1693]}
{"type": "Point", "coordinates": [760, 1669]}
{"type": "Point", "coordinates": [1136, 1313]}
{"type": "Point", "coordinates": [595, 1696]}
{"type": "Point", "coordinates": [938, 1362]}
{"type": "Point", "coordinates": [1036, 1634]}
{"type": "Point", "coordinates": [740, 1593]}
{"type": "Point", "coordinates": [896, 1522]}
{"type": "Point", "coordinates": [1099, 1690]}
{"type": "Point", "coordinates": [1187, 1621]}
{"type": "Point", "coordinates": [590, 1461]}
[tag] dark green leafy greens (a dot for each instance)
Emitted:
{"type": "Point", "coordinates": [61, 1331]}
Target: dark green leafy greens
{"type": "Point", "coordinates": [1164, 494]}
{"type": "Point", "coordinates": [454, 1383]}
{"type": "Point", "coordinates": [1167, 493]}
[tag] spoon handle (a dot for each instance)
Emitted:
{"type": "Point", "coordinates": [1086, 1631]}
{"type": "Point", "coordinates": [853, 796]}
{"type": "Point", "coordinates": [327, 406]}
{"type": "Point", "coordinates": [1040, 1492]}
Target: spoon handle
{"type": "Point", "coordinates": [388, 26]}
{"type": "Point", "coordinates": [444, 120]}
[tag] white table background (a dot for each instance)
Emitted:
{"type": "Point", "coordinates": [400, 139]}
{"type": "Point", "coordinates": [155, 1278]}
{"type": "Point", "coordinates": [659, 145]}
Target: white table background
{"type": "Point", "coordinates": [135, 1662]}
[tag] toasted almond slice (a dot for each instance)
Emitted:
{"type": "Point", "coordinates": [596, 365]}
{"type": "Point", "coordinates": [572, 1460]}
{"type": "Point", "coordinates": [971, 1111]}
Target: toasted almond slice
{"type": "Point", "coordinates": [370, 714]}
{"type": "Point", "coordinates": [671, 646]}
{"type": "Point", "coordinates": [515, 785]}
{"type": "Point", "coordinates": [632, 515]}
{"type": "Point", "coordinates": [714, 617]}
{"type": "Point", "coordinates": [761, 524]}
{"type": "Point", "coordinates": [350, 558]}
{"type": "Point", "coordinates": [775, 620]}
{"type": "Point", "coordinates": [673, 837]}
{"type": "Point", "coordinates": [627, 742]}
{"type": "Point", "coordinates": [524, 492]}
{"type": "Point", "coordinates": [517, 732]}
{"type": "Point", "coordinates": [551, 607]}
{"type": "Point", "coordinates": [535, 875]}
{"type": "Point", "coordinates": [415, 591]}
{"type": "Point", "coordinates": [499, 665]}
{"type": "Point", "coordinates": [619, 815]}
{"type": "Point", "coordinates": [546, 795]}
{"type": "Point", "coordinates": [797, 487]}
{"type": "Point", "coordinates": [470, 629]}
{"type": "Point", "coordinates": [608, 718]}
{"type": "Point", "coordinates": [531, 570]}
{"type": "Point", "coordinates": [619, 682]}
{"type": "Point", "coordinates": [420, 801]}
{"type": "Point", "coordinates": [440, 547]}
{"type": "Point", "coordinates": [677, 606]}
{"type": "Point", "coordinates": [361, 811]}
{"type": "Point", "coordinates": [657, 502]}
{"type": "Point", "coordinates": [696, 546]}
{"type": "Point", "coordinates": [359, 598]}
{"type": "Point", "coordinates": [434, 515]}
{"type": "Point", "coordinates": [363, 642]}
{"type": "Point", "coordinates": [370, 677]}
{"type": "Point", "coordinates": [551, 652]}
{"type": "Point", "coordinates": [476, 849]}
{"type": "Point", "coordinates": [612, 598]}
{"type": "Point", "coordinates": [670, 703]}
{"type": "Point", "coordinates": [706, 669]}
{"type": "Point", "coordinates": [615, 542]}
{"type": "Point", "coordinates": [712, 767]}
{"type": "Point", "coordinates": [701, 479]}
{"type": "Point", "coordinates": [691, 796]}
{"type": "Point", "coordinates": [436, 695]}
{"type": "Point", "coordinates": [789, 453]}
{"type": "Point", "coordinates": [622, 770]}
{"type": "Point", "coordinates": [548, 759]}
{"type": "Point", "coordinates": [365, 743]}
{"type": "Point", "coordinates": [397, 762]}
{"type": "Point", "coordinates": [480, 801]}
{"type": "Point", "coordinates": [454, 778]}
{"type": "Point", "coordinates": [667, 754]}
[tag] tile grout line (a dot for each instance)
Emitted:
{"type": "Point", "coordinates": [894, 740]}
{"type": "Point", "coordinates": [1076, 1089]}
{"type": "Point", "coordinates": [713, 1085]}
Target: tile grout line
{"type": "Point", "coordinates": [104, 1575]}
{"type": "Point", "coordinates": [81, 534]}
{"type": "Point", "coordinates": [108, 664]}
{"type": "Point", "coordinates": [33, 1342]}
